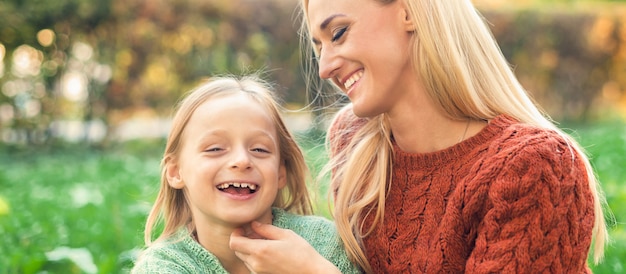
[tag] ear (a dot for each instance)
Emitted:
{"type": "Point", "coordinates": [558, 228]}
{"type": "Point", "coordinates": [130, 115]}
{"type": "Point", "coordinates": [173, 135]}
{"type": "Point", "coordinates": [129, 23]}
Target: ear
{"type": "Point", "coordinates": [172, 174]}
{"type": "Point", "coordinates": [282, 176]}
{"type": "Point", "coordinates": [407, 21]}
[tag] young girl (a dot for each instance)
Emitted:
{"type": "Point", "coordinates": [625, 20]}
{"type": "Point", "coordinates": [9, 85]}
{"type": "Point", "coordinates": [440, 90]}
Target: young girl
{"type": "Point", "coordinates": [441, 163]}
{"type": "Point", "coordinates": [229, 161]}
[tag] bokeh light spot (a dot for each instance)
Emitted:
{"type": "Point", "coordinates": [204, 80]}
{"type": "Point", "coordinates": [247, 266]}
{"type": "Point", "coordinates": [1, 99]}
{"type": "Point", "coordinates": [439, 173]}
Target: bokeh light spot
{"type": "Point", "coordinates": [45, 37]}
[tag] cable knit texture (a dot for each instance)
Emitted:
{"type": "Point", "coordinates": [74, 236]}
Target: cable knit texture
{"type": "Point", "coordinates": [512, 199]}
{"type": "Point", "coordinates": [182, 254]}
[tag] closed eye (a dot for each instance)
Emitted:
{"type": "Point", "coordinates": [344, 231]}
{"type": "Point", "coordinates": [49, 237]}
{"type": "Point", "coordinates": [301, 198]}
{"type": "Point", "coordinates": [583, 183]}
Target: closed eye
{"type": "Point", "coordinates": [338, 34]}
{"type": "Point", "coordinates": [262, 150]}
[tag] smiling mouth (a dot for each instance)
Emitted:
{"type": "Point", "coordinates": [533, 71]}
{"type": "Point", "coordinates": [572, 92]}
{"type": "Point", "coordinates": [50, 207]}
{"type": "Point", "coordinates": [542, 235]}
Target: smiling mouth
{"type": "Point", "coordinates": [238, 188]}
{"type": "Point", "coordinates": [353, 79]}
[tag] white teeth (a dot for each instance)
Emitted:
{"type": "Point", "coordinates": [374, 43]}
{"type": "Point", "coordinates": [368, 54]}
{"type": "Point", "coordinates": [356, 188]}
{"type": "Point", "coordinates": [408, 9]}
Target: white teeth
{"type": "Point", "coordinates": [236, 184]}
{"type": "Point", "coordinates": [252, 187]}
{"type": "Point", "coordinates": [355, 77]}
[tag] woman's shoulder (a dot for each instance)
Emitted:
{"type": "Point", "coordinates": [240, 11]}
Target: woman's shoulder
{"type": "Point", "coordinates": [520, 149]}
{"type": "Point", "coordinates": [515, 149]}
{"type": "Point", "coordinates": [343, 128]}
{"type": "Point", "coordinates": [345, 120]}
{"type": "Point", "coordinates": [517, 137]}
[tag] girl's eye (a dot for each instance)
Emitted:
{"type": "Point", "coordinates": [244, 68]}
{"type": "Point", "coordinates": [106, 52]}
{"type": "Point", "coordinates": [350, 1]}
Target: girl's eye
{"type": "Point", "coordinates": [337, 35]}
{"type": "Point", "coordinates": [258, 149]}
{"type": "Point", "coordinates": [213, 149]}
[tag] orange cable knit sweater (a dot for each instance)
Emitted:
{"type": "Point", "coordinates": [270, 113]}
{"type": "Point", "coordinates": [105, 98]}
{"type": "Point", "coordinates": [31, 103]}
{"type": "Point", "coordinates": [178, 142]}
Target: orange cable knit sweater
{"type": "Point", "coordinates": [511, 199]}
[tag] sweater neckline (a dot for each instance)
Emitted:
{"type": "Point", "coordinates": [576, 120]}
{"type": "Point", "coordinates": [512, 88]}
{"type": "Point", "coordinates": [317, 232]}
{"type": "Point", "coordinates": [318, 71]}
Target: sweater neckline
{"type": "Point", "coordinates": [408, 160]}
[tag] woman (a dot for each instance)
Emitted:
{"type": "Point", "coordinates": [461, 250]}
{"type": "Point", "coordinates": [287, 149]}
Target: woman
{"type": "Point", "coordinates": [441, 163]}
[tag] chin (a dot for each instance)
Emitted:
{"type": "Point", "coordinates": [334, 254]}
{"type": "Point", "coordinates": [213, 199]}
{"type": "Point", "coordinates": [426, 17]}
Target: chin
{"type": "Point", "coordinates": [364, 113]}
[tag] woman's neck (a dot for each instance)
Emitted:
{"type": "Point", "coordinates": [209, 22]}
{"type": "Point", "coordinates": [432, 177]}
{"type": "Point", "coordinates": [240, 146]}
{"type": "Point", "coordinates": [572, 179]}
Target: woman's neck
{"type": "Point", "coordinates": [420, 130]}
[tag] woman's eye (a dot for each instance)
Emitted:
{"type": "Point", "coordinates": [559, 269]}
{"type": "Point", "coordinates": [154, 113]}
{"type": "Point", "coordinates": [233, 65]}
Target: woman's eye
{"type": "Point", "coordinates": [337, 35]}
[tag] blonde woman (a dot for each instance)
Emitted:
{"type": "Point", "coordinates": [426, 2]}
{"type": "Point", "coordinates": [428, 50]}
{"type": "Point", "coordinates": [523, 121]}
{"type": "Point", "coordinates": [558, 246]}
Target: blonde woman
{"type": "Point", "coordinates": [442, 163]}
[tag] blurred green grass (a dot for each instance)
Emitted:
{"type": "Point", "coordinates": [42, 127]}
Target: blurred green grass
{"type": "Point", "coordinates": [82, 210]}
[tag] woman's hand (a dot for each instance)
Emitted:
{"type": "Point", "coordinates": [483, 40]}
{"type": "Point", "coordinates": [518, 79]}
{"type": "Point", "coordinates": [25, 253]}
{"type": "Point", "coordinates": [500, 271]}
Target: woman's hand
{"type": "Point", "coordinates": [281, 251]}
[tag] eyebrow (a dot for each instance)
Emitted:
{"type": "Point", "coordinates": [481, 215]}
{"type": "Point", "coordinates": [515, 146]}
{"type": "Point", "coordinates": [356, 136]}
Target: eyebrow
{"type": "Point", "coordinates": [325, 24]}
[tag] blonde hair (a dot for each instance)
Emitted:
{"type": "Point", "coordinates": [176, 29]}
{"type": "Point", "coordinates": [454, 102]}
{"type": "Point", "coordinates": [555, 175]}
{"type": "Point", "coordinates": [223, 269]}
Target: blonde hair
{"type": "Point", "coordinates": [171, 208]}
{"type": "Point", "coordinates": [480, 85]}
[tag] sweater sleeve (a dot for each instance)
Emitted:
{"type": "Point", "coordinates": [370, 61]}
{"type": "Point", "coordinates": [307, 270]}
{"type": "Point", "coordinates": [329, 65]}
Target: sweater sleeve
{"type": "Point", "coordinates": [540, 214]}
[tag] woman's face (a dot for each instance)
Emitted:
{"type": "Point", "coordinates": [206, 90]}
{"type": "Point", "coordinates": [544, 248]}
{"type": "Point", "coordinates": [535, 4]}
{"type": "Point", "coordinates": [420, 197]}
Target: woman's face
{"type": "Point", "coordinates": [363, 47]}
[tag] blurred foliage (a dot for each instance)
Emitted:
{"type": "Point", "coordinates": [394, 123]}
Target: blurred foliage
{"type": "Point", "coordinates": [572, 59]}
{"type": "Point", "coordinates": [104, 62]}
{"type": "Point", "coordinates": [607, 146]}
{"type": "Point", "coordinates": [134, 55]}
{"type": "Point", "coordinates": [72, 208]}
{"type": "Point", "coordinates": [79, 212]}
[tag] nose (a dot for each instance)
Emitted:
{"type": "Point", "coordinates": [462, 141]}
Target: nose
{"type": "Point", "coordinates": [329, 63]}
{"type": "Point", "coordinates": [240, 159]}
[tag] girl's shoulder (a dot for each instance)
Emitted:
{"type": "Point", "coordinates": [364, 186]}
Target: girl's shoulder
{"type": "Point", "coordinates": [179, 253]}
{"type": "Point", "coordinates": [299, 223]}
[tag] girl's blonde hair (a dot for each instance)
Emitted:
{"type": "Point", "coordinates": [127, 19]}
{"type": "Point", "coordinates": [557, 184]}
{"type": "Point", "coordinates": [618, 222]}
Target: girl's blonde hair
{"type": "Point", "coordinates": [457, 58]}
{"type": "Point", "coordinates": [171, 208]}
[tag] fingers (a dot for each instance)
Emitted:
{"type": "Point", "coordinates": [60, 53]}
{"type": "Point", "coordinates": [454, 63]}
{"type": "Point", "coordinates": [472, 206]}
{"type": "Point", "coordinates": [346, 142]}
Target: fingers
{"type": "Point", "coordinates": [240, 243]}
{"type": "Point", "coordinates": [270, 232]}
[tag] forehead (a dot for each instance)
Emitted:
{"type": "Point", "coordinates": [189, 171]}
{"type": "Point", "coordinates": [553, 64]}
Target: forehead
{"type": "Point", "coordinates": [319, 10]}
{"type": "Point", "coordinates": [233, 112]}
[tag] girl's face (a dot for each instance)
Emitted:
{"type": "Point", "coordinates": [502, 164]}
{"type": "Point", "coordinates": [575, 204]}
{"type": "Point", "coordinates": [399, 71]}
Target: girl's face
{"type": "Point", "coordinates": [229, 164]}
{"type": "Point", "coordinates": [363, 47]}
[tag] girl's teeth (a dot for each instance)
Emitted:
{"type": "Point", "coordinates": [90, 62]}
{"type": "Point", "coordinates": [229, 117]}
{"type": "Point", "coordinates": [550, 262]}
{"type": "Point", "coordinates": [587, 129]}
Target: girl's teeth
{"type": "Point", "coordinates": [242, 185]}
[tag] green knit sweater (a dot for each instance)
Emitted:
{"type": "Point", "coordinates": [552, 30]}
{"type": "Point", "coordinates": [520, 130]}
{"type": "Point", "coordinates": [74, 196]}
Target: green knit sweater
{"type": "Point", "coordinates": [188, 256]}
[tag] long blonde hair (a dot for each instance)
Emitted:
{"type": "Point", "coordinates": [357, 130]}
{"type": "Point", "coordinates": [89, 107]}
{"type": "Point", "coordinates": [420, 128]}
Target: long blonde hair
{"type": "Point", "coordinates": [480, 85]}
{"type": "Point", "coordinates": [171, 208]}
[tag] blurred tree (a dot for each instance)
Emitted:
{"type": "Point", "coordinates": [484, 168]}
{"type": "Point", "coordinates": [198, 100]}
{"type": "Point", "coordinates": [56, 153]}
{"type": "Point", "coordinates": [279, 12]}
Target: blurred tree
{"type": "Point", "coordinates": [130, 55]}
{"type": "Point", "coordinates": [88, 65]}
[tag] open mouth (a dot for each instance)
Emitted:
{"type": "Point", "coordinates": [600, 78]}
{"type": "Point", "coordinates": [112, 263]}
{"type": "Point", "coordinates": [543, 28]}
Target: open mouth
{"type": "Point", "coordinates": [350, 81]}
{"type": "Point", "coordinates": [238, 188]}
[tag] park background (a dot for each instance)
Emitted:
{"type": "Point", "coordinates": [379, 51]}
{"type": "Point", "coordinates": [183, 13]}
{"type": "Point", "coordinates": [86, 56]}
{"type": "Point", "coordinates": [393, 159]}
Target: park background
{"type": "Point", "coordinates": [87, 89]}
